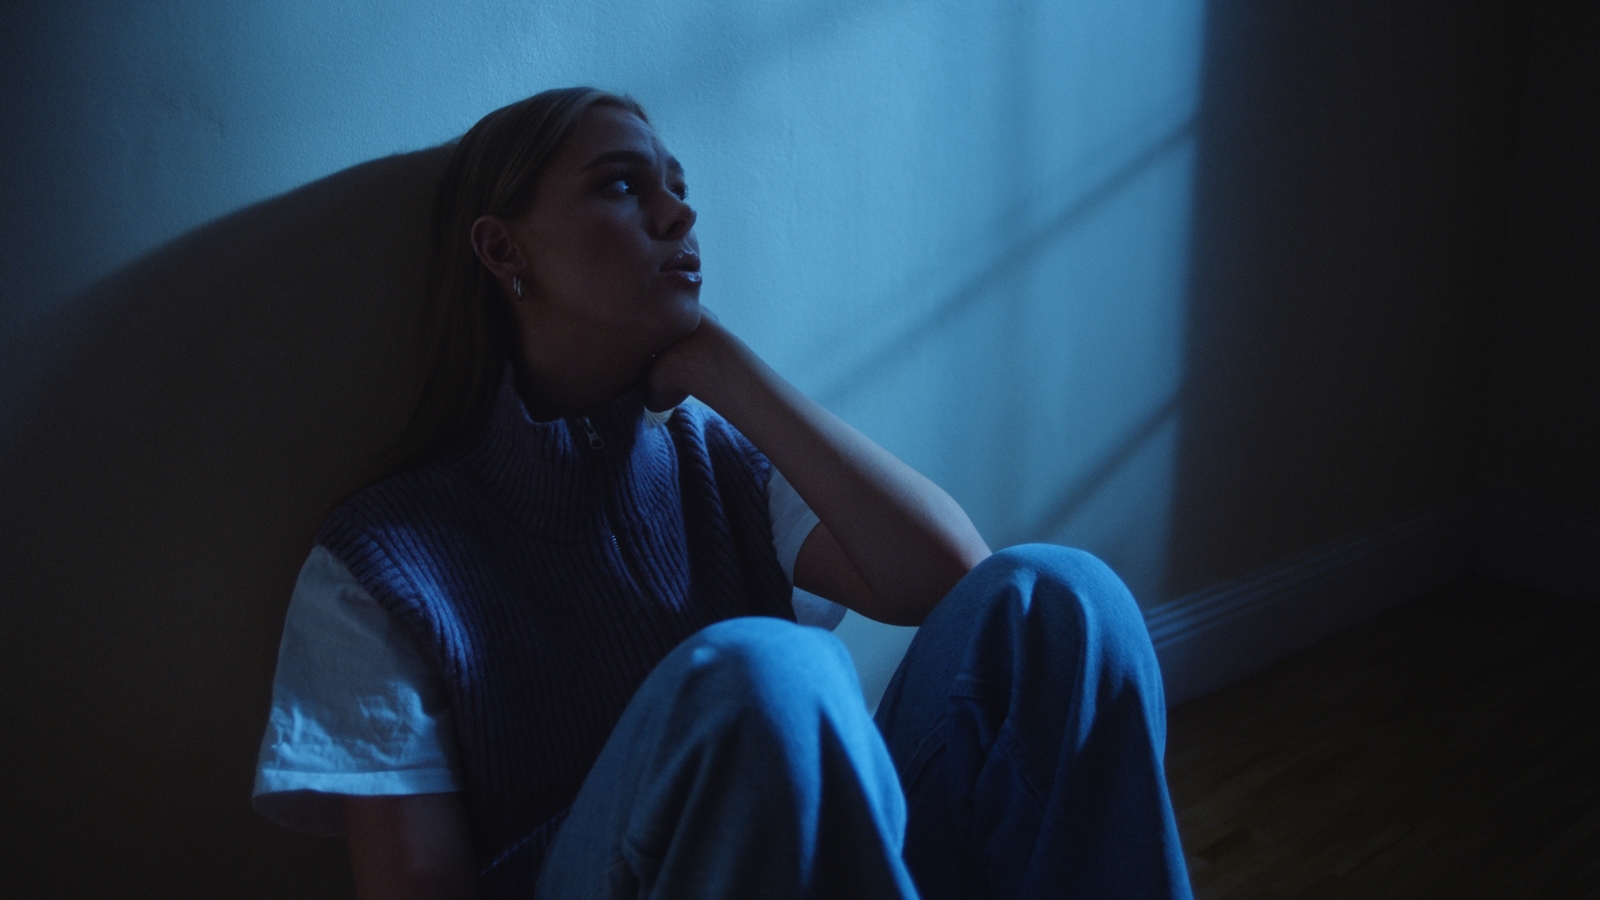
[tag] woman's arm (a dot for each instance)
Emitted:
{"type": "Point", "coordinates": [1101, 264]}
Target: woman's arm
{"type": "Point", "coordinates": [891, 542]}
{"type": "Point", "coordinates": [410, 847]}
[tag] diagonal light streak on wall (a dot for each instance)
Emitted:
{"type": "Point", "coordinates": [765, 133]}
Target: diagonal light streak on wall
{"type": "Point", "coordinates": [1015, 256]}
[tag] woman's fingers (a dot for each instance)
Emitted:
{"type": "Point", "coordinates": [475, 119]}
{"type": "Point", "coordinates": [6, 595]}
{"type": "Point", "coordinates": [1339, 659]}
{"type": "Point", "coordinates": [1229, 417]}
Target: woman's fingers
{"type": "Point", "coordinates": [659, 398]}
{"type": "Point", "coordinates": [691, 365]}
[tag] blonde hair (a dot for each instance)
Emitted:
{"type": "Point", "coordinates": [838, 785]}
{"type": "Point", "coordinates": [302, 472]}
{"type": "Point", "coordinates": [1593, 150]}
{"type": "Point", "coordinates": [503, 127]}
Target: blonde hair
{"type": "Point", "coordinates": [469, 333]}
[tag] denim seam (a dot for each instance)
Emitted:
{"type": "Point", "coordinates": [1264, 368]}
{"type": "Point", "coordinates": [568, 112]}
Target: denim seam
{"type": "Point", "coordinates": [1016, 754]}
{"type": "Point", "coordinates": [932, 742]}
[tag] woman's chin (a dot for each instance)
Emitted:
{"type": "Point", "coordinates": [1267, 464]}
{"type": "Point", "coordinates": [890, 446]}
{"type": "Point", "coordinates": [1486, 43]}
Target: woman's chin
{"type": "Point", "coordinates": [683, 317]}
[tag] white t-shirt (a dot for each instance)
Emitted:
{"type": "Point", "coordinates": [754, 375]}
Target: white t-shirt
{"type": "Point", "coordinates": [358, 709]}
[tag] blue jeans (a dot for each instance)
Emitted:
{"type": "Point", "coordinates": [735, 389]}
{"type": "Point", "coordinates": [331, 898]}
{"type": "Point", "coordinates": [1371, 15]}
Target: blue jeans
{"type": "Point", "coordinates": [1017, 754]}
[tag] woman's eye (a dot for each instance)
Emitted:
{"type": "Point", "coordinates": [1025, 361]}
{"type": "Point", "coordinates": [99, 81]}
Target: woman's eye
{"type": "Point", "coordinates": [633, 185]}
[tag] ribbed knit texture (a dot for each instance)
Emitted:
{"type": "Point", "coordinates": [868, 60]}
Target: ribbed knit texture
{"type": "Point", "coordinates": [545, 579]}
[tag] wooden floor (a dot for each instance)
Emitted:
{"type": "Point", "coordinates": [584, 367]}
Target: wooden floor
{"type": "Point", "coordinates": [1449, 748]}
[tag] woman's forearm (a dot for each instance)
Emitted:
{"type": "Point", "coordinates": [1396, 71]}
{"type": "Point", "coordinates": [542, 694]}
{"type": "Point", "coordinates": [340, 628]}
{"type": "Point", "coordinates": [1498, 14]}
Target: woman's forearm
{"type": "Point", "coordinates": [410, 847]}
{"type": "Point", "coordinates": [908, 540]}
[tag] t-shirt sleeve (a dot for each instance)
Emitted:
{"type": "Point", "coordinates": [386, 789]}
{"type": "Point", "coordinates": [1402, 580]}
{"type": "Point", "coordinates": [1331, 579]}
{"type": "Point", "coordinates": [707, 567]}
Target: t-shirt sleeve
{"type": "Point", "coordinates": [792, 522]}
{"type": "Point", "coordinates": [356, 708]}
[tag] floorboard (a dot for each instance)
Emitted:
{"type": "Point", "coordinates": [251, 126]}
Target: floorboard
{"type": "Point", "coordinates": [1448, 748]}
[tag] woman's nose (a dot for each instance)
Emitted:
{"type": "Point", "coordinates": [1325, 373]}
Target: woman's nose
{"type": "Point", "coordinates": [674, 218]}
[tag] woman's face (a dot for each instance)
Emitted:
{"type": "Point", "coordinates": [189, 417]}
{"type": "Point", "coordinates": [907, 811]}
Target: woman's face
{"type": "Point", "coordinates": [609, 242]}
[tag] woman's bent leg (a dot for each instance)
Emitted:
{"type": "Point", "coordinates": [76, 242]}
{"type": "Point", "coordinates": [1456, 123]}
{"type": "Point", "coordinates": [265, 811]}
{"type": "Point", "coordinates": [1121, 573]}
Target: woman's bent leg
{"type": "Point", "coordinates": [745, 766]}
{"type": "Point", "coordinates": [1028, 726]}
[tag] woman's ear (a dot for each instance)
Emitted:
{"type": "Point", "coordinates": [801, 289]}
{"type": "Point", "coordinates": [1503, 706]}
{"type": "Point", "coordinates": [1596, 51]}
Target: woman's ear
{"type": "Point", "coordinates": [497, 247]}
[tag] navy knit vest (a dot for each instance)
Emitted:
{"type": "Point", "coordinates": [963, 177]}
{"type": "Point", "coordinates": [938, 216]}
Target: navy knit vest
{"type": "Point", "coordinates": [546, 577]}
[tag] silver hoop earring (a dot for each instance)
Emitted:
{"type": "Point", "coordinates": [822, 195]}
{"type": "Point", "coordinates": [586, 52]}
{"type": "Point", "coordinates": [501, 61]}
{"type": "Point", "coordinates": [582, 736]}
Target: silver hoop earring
{"type": "Point", "coordinates": [516, 287]}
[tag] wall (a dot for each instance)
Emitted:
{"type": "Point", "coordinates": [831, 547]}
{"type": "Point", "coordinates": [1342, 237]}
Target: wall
{"type": "Point", "coordinates": [1390, 377]}
{"type": "Point", "coordinates": [1541, 481]}
{"type": "Point", "coordinates": [1354, 175]}
{"type": "Point", "coordinates": [962, 225]}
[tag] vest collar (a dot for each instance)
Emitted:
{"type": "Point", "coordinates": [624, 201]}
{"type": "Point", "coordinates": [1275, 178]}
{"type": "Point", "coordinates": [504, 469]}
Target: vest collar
{"type": "Point", "coordinates": [551, 480]}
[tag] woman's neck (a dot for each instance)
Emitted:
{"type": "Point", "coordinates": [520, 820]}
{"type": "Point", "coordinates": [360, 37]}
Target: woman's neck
{"type": "Point", "coordinates": [556, 391]}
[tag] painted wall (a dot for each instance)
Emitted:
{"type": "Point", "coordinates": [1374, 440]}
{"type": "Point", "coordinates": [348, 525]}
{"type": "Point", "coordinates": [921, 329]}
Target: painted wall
{"type": "Point", "coordinates": [1354, 174]}
{"type": "Point", "coordinates": [964, 226]}
{"type": "Point", "coordinates": [1542, 482]}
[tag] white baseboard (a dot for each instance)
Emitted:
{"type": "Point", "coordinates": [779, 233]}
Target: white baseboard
{"type": "Point", "coordinates": [1552, 548]}
{"type": "Point", "coordinates": [1212, 638]}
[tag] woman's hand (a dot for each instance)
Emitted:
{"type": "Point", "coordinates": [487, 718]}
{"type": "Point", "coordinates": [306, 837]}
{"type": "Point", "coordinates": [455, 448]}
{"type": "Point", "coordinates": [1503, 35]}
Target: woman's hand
{"type": "Point", "coordinates": [679, 370]}
{"type": "Point", "coordinates": [890, 544]}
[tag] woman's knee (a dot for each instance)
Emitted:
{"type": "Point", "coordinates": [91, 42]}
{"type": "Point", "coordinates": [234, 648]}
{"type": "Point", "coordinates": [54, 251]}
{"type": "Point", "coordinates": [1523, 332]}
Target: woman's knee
{"type": "Point", "coordinates": [1066, 572]}
{"type": "Point", "coordinates": [1060, 590]}
{"type": "Point", "coordinates": [757, 661]}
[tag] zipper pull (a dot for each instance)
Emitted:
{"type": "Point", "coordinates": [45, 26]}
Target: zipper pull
{"type": "Point", "coordinates": [594, 436]}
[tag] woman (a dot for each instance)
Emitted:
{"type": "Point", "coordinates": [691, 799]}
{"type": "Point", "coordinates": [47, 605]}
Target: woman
{"type": "Point", "coordinates": [551, 653]}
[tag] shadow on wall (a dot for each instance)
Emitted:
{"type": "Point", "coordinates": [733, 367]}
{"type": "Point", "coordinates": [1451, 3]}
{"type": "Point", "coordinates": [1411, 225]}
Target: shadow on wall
{"type": "Point", "coordinates": [163, 472]}
{"type": "Point", "coordinates": [1353, 179]}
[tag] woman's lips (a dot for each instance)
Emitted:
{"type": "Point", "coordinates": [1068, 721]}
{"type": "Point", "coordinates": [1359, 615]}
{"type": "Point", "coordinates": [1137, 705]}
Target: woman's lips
{"type": "Point", "coordinates": [683, 276]}
{"type": "Point", "coordinates": [683, 267]}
